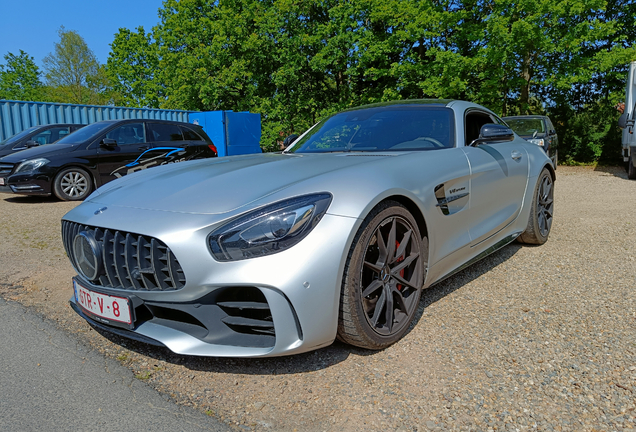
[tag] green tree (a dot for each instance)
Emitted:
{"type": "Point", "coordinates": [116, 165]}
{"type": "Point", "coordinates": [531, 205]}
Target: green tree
{"type": "Point", "coordinates": [20, 78]}
{"type": "Point", "coordinates": [133, 66]}
{"type": "Point", "coordinates": [73, 73]}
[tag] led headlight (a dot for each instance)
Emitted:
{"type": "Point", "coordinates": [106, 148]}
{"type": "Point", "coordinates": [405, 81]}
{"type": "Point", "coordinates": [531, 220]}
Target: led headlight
{"type": "Point", "coordinates": [537, 141]}
{"type": "Point", "coordinates": [31, 165]}
{"type": "Point", "coordinates": [270, 229]}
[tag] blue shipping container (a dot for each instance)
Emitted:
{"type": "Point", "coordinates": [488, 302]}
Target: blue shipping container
{"type": "Point", "coordinates": [16, 116]}
{"type": "Point", "coordinates": [232, 133]}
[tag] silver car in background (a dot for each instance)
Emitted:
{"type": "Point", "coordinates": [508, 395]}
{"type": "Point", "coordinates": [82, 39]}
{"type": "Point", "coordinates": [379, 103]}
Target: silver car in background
{"type": "Point", "coordinates": [335, 237]}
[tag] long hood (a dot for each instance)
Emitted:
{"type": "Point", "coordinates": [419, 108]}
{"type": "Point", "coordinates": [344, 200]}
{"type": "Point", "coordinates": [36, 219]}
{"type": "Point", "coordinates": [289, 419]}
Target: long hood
{"type": "Point", "coordinates": [38, 152]}
{"type": "Point", "coordinates": [221, 185]}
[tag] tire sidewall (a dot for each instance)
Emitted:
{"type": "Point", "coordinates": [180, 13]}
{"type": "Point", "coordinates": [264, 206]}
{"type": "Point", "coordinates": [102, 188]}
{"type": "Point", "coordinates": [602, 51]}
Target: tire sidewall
{"type": "Point", "coordinates": [57, 184]}
{"type": "Point", "coordinates": [352, 281]}
{"type": "Point", "coordinates": [541, 239]}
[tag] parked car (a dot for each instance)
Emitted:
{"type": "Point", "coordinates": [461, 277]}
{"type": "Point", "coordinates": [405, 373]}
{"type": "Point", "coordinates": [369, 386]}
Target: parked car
{"type": "Point", "coordinates": [538, 130]}
{"type": "Point", "coordinates": [272, 254]}
{"type": "Point", "coordinates": [626, 122]}
{"type": "Point", "coordinates": [37, 136]}
{"type": "Point", "coordinates": [96, 154]}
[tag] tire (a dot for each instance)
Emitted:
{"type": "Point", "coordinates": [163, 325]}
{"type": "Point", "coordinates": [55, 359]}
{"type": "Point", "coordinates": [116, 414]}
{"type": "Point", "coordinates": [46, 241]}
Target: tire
{"type": "Point", "coordinates": [555, 162]}
{"type": "Point", "coordinates": [631, 170]}
{"type": "Point", "coordinates": [387, 262]}
{"type": "Point", "coordinates": [542, 212]}
{"type": "Point", "coordinates": [72, 184]}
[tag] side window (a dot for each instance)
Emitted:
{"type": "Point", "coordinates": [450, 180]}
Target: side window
{"type": "Point", "coordinates": [63, 132]}
{"type": "Point", "coordinates": [550, 125]}
{"type": "Point", "coordinates": [48, 136]}
{"type": "Point", "coordinates": [159, 132]}
{"type": "Point", "coordinates": [474, 120]}
{"type": "Point", "coordinates": [190, 135]}
{"type": "Point", "coordinates": [130, 133]}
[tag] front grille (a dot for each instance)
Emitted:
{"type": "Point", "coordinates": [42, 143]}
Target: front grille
{"type": "Point", "coordinates": [130, 261]}
{"type": "Point", "coordinates": [5, 169]}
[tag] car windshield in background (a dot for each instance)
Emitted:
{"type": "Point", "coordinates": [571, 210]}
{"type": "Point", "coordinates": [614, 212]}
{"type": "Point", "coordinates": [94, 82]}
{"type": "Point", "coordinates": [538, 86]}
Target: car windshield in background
{"type": "Point", "coordinates": [526, 126]}
{"type": "Point", "coordinates": [18, 136]}
{"type": "Point", "coordinates": [379, 129]}
{"type": "Point", "coordinates": [85, 133]}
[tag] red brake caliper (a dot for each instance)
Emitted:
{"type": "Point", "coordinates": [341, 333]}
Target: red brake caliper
{"type": "Point", "coordinates": [400, 259]}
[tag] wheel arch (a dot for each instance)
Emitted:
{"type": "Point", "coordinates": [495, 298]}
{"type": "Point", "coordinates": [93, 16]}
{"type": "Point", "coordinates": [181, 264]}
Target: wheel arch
{"type": "Point", "coordinates": [551, 170]}
{"type": "Point", "coordinates": [412, 208]}
{"type": "Point", "coordinates": [76, 165]}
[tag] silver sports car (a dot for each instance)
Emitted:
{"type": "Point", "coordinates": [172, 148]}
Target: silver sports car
{"type": "Point", "coordinates": [335, 237]}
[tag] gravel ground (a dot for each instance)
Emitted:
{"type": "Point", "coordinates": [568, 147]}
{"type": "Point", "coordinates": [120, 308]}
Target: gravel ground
{"type": "Point", "coordinates": [530, 338]}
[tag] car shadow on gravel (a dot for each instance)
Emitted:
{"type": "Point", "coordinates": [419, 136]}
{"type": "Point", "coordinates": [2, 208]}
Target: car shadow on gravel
{"type": "Point", "coordinates": [616, 171]}
{"type": "Point", "coordinates": [314, 360]}
{"type": "Point", "coordinates": [22, 199]}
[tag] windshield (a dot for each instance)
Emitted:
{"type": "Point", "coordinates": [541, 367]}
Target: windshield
{"type": "Point", "coordinates": [19, 136]}
{"type": "Point", "coordinates": [379, 129]}
{"type": "Point", "coordinates": [85, 133]}
{"type": "Point", "coordinates": [526, 126]}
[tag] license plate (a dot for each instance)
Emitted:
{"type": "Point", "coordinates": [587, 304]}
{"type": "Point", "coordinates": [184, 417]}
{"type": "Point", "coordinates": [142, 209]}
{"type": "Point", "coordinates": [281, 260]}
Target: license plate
{"type": "Point", "coordinates": [106, 307]}
{"type": "Point", "coordinates": [1, 181]}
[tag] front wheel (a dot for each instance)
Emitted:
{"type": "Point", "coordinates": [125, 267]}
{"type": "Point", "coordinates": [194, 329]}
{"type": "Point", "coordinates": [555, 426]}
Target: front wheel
{"type": "Point", "coordinates": [383, 278]}
{"type": "Point", "coordinates": [72, 184]}
{"type": "Point", "coordinates": [542, 211]}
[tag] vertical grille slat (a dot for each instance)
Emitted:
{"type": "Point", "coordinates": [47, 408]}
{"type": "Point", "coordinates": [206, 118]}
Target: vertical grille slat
{"type": "Point", "coordinates": [131, 261]}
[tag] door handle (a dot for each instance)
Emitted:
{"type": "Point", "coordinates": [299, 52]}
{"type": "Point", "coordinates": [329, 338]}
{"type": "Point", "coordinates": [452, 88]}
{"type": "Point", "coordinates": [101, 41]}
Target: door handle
{"type": "Point", "coordinates": [516, 155]}
{"type": "Point", "coordinates": [144, 148]}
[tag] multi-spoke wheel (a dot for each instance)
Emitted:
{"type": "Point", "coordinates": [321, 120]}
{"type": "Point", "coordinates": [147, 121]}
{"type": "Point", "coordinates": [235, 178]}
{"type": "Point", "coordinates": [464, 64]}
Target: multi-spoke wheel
{"type": "Point", "coordinates": [383, 278]}
{"type": "Point", "coordinates": [540, 221]}
{"type": "Point", "coordinates": [72, 184]}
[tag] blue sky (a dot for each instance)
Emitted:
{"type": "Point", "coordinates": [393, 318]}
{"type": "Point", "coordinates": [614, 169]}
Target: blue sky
{"type": "Point", "coordinates": [32, 25]}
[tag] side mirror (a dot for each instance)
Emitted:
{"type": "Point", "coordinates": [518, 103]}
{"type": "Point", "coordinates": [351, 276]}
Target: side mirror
{"type": "Point", "coordinates": [493, 133]}
{"type": "Point", "coordinates": [289, 140]}
{"type": "Point", "coordinates": [32, 143]}
{"type": "Point", "coordinates": [108, 143]}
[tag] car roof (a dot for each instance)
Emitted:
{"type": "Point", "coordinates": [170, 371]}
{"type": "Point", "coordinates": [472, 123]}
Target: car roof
{"type": "Point", "coordinates": [124, 121]}
{"type": "Point", "coordinates": [439, 102]}
{"type": "Point", "coordinates": [526, 117]}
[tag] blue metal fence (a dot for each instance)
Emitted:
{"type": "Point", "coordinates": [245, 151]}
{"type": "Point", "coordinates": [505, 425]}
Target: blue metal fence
{"type": "Point", "coordinates": [15, 116]}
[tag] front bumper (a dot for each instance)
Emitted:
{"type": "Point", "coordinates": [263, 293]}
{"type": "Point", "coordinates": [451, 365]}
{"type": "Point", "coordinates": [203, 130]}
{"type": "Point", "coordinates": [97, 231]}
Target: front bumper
{"type": "Point", "coordinates": [223, 308]}
{"type": "Point", "coordinates": [27, 184]}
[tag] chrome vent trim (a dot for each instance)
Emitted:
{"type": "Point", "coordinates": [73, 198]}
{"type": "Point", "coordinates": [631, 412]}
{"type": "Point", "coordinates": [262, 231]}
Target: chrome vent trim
{"type": "Point", "coordinates": [131, 261]}
{"type": "Point", "coordinates": [6, 169]}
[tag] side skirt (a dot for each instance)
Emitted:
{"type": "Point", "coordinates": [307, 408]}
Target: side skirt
{"type": "Point", "coordinates": [500, 244]}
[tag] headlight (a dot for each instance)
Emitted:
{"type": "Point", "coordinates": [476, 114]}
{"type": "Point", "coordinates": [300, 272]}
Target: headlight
{"type": "Point", "coordinates": [31, 165]}
{"type": "Point", "coordinates": [270, 229]}
{"type": "Point", "coordinates": [537, 141]}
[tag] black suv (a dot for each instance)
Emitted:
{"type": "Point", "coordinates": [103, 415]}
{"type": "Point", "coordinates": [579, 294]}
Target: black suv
{"type": "Point", "coordinates": [36, 136]}
{"type": "Point", "coordinates": [538, 130]}
{"type": "Point", "coordinates": [100, 152]}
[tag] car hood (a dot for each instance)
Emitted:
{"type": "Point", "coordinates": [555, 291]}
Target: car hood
{"type": "Point", "coordinates": [38, 152]}
{"type": "Point", "coordinates": [220, 185]}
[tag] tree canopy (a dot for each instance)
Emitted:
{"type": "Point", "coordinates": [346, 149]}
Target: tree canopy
{"type": "Point", "coordinates": [20, 78]}
{"type": "Point", "coordinates": [73, 73]}
{"type": "Point", "coordinates": [295, 61]}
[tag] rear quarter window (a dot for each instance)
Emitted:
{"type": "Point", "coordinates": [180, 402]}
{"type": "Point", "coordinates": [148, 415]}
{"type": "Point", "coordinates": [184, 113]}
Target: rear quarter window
{"type": "Point", "coordinates": [164, 132]}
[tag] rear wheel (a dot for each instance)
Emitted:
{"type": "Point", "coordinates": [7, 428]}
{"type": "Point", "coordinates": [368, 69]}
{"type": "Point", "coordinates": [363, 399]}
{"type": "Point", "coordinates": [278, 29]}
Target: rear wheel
{"type": "Point", "coordinates": [383, 278]}
{"type": "Point", "coordinates": [631, 170]}
{"type": "Point", "coordinates": [72, 184]}
{"type": "Point", "coordinates": [540, 220]}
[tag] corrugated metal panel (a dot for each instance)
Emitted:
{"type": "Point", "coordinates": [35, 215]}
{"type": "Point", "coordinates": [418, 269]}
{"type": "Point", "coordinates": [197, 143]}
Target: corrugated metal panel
{"type": "Point", "coordinates": [15, 116]}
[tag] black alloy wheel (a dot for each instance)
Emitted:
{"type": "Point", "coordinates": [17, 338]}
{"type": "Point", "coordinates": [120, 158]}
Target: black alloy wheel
{"type": "Point", "coordinates": [542, 211]}
{"type": "Point", "coordinates": [383, 279]}
{"type": "Point", "coordinates": [72, 184]}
